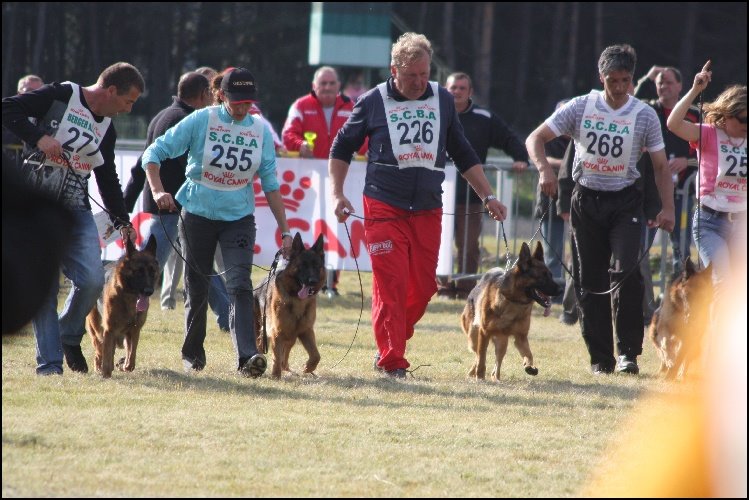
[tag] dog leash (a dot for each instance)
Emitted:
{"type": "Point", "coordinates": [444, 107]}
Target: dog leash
{"type": "Point", "coordinates": [616, 286]}
{"type": "Point", "coordinates": [361, 289]}
{"type": "Point", "coordinates": [361, 310]}
{"type": "Point", "coordinates": [267, 281]}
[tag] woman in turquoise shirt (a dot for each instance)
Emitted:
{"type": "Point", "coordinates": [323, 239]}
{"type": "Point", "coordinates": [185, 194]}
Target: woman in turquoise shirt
{"type": "Point", "coordinates": [226, 148]}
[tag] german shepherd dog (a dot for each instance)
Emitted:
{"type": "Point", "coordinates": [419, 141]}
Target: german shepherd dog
{"type": "Point", "coordinates": [121, 312]}
{"type": "Point", "coordinates": [499, 307]}
{"type": "Point", "coordinates": [679, 323]}
{"type": "Point", "coordinates": [288, 306]}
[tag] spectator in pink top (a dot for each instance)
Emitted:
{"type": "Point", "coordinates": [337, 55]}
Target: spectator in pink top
{"type": "Point", "coordinates": [721, 150]}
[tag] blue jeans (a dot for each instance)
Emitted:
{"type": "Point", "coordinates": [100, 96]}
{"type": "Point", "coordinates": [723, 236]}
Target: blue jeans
{"type": "Point", "coordinates": [81, 264]}
{"type": "Point", "coordinates": [553, 230]}
{"type": "Point", "coordinates": [218, 299]}
{"type": "Point", "coordinates": [719, 242]}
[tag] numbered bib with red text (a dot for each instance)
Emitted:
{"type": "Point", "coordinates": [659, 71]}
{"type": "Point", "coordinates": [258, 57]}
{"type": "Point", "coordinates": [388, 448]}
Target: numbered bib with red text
{"type": "Point", "coordinates": [731, 178]}
{"type": "Point", "coordinates": [414, 128]}
{"type": "Point", "coordinates": [231, 153]}
{"type": "Point", "coordinates": [605, 139]}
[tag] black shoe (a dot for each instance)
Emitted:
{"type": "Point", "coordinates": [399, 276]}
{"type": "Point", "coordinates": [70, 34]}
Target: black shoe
{"type": "Point", "coordinates": [74, 358]}
{"type": "Point", "coordinates": [192, 365]}
{"type": "Point", "coordinates": [254, 367]}
{"type": "Point", "coordinates": [627, 364]}
{"type": "Point", "coordinates": [601, 368]}
{"type": "Point", "coordinates": [567, 319]}
{"type": "Point", "coordinates": [376, 360]}
{"type": "Point", "coordinates": [397, 373]}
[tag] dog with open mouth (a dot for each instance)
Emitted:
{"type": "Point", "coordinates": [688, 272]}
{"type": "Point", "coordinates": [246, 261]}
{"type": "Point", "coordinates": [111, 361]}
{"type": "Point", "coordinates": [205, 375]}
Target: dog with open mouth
{"type": "Point", "coordinates": [287, 305]}
{"type": "Point", "coordinates": [500, 305]}
{"type": "Point", "coordinates": [117, 318]}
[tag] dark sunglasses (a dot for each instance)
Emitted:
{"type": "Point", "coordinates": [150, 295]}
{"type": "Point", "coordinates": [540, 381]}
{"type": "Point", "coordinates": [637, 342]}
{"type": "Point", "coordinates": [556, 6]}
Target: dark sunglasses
{"type": "Point", "coordinates": [741, 119]}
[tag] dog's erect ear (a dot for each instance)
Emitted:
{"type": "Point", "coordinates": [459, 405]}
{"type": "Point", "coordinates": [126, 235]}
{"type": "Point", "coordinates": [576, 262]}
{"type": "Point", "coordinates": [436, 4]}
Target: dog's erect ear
{"type": "Point", "coordinates": [151, 246]}
{"type": "Point", "coordinates": [318, 247]}
{"type": "Point", "coordinates": [539, 252]}
{"type": "Point", "coordinates": [524, 257]}
{"type": "Point", "coordinates": [129, 248]}
{"type": "Point", "coordinates": [297, 246]}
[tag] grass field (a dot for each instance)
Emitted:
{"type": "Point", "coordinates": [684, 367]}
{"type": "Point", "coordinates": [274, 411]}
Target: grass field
{"type": "Point", "coordinates": [350, 432]}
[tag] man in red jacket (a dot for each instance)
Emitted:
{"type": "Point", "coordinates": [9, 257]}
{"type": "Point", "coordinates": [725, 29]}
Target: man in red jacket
{"type": "Point", "coordinates": [314, 121]}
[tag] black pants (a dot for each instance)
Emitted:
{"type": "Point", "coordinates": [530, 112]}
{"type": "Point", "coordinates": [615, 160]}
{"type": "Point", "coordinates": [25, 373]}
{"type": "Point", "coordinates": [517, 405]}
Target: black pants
{"type": "Point", "coordinates": [237, 241]}
{"type": "Point", "coordinates": [605, 225]}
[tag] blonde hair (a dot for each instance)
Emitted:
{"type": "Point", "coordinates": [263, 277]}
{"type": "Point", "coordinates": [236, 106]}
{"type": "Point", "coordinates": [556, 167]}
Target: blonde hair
{"type": "Point", "coordinates": [730, 102]}
{"type": "Point", "coordinates": [408, 48]}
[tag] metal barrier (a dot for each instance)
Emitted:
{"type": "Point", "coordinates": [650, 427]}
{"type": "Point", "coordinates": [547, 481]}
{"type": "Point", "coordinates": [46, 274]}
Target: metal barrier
{"type": "Point", "coordinates": [506, 189]}
{"type": "Point", "coordinates": [685, 238]}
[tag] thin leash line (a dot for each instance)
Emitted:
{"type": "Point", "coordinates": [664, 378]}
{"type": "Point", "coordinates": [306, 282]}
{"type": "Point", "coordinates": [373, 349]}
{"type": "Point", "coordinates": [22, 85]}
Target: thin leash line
{"type": "Point", "coordinates": [206, 277]}
{"type": "Point", "coordinates": [361, 289]}
{"type": "Point", "coordinates": [424, 213]}
{"type": "Point", "coordinates": [616, 286]}
{"type": "Point", "coordinates": [699, 183]}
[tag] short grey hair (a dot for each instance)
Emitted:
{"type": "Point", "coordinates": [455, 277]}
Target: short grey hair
{"type": "Point", "coordinates": [323, 69]}
{"type": "Point", "coordinates": [617, 58]}
{"type": "Point", "coordinates": [408, 48]}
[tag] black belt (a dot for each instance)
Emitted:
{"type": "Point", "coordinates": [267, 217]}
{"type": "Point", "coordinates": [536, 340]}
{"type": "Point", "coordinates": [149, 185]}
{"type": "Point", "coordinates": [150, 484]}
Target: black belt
{"type": "Point", "coordinates": [731, 216]}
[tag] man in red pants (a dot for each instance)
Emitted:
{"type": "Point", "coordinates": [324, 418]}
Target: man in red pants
{"type": "Point", "coordinates": [411, 124]}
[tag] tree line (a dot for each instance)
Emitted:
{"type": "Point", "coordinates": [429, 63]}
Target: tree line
{"type": "Point", "coordinates": [523, 57]}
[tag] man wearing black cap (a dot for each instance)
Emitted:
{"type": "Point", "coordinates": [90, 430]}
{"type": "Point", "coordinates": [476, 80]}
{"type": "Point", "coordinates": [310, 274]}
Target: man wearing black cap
{"type": "Point", "coordinates": [226, 147]}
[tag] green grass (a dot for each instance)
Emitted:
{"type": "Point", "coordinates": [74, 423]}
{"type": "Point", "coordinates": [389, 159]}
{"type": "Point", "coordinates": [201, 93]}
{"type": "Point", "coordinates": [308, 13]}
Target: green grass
{"type": "Point", "coordinates": [350, 432]}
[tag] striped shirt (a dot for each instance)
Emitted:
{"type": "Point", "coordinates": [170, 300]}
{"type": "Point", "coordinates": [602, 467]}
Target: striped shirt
{"type": "Point", "coordinates": [647, 137]}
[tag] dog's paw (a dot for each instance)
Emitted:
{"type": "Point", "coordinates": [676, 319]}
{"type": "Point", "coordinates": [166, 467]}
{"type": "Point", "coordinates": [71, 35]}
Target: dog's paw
{"type": "Point", "coordinates": [531, 370]}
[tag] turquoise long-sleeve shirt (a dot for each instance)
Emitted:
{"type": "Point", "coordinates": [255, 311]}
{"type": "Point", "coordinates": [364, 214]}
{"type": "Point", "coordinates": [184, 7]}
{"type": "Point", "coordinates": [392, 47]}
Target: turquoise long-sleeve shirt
{"type": "Point", "coordinates": [189, 135]}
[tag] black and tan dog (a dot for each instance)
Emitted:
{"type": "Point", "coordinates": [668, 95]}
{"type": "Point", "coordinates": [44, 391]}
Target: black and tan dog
{"type": "Point", "coordinates": [499, 307]}
{"type": "Point", "coordinates": [680, 322]}
{"type": "Point", "coordinates": [288, 306]}
{"type": "Point", "coordinates": [119, 316]}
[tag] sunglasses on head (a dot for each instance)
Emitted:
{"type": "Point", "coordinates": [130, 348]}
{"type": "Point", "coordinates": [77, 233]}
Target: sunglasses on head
{"type": "Point", "coordinates": [741, 119]}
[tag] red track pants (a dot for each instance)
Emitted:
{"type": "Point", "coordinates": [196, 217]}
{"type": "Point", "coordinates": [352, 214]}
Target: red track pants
{"type": "Point", "coordinates": [404, 253]}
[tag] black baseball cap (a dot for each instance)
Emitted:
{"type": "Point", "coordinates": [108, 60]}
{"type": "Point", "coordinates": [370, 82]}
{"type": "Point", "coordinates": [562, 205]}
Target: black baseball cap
{"type": "Point", "coordinates": [239, 86]}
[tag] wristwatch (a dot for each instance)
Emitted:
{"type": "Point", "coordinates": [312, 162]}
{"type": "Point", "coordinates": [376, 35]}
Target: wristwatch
{"type": "Point", "coordinates": [488, 199]}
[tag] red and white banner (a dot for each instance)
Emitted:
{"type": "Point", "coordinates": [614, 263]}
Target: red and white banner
{"type": "Point", "coordinates": [306, 195]}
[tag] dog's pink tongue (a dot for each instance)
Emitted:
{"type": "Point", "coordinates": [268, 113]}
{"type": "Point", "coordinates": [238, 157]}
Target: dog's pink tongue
{"type": "Point", "coordinates": [547, 311]}
{"type": "Point", "coordinates": [305, 292]}
{"type": "Point", "coordinates": [142, 304]}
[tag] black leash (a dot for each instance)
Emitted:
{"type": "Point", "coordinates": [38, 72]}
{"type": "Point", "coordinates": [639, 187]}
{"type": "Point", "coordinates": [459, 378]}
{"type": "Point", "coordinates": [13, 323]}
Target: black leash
{"type": "Point", "coordinates": [271, 275]}
{"type": "Point", "coordinates": [616, 286]}
{"type": "Point", "coordinates": [361, 289]}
